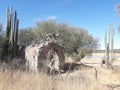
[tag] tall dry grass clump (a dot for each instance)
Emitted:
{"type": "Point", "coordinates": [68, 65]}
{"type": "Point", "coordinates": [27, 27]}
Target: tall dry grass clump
{"type": "Point", "coordinates": [39, 81]}
{"type": "Point", "coordinates": [24, 81]}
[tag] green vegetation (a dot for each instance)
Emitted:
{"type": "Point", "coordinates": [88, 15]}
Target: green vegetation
{"type": "Point", "coordinates": [9, 47]}
{"type": "Point", "coordinates": [26, 36]}
{"type": "Point", "coordinates": [76, 41]}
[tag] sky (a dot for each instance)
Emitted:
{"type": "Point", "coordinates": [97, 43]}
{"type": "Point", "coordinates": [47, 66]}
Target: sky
{"type": "Point", "coordinates": [91, 15]}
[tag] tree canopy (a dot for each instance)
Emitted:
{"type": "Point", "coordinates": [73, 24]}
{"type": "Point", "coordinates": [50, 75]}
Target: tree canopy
{"type": "Point", "coordinates": [26, 36]}
{"type": "Point", "coordinates": [76, 41]}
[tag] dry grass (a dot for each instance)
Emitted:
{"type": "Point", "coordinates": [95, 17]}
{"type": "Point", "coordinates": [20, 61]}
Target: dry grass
{"type": "Point", "coordinates": [82, 79]}
{"type": "Point", "coordinates": [78, 80]}
{"type": "Point", "coordinates": [38, 81]}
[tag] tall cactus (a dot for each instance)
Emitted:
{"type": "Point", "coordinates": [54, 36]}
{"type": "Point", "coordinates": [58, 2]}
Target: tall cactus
{"type": "Point", "coordinates": [11, 35]}
{"type": "Point", "coordinates": [109, 44]}
{"type": "Point", "coordinates": [112, 44]}
{"type": "Point", "coordinates": [16, 22]}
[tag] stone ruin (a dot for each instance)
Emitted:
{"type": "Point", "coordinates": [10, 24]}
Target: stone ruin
{"type": "Point", "coordinates": [45, 56]}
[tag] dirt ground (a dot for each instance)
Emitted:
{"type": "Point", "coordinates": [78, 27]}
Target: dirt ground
{"type": "Point", "coordinates": [109, 79]}
{"type": "Point", "coordinates": [96, 59]}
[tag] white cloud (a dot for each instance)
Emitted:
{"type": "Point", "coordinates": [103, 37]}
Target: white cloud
{"type": "Point", "coordinates": [51, 17]}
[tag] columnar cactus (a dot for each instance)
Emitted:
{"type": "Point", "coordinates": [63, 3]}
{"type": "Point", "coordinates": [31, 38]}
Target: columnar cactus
{"type": "Point", "coordinates": [11, 34]}
{"type": "Point", "coordinates": [109, 44]}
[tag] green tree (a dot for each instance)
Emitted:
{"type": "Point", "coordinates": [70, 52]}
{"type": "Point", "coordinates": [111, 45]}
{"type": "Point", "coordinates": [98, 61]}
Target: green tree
{"type": "Point", "coordinates": [26, 36]}
{"type": "Point", "coordinates": [76, 41]}
{"type": "Point", "coordinates": [43, 28]}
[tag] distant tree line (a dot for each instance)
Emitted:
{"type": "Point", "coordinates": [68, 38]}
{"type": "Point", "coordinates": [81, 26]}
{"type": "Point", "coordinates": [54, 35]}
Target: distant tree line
{"type": "Point", "coordinates": [76, 41]}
